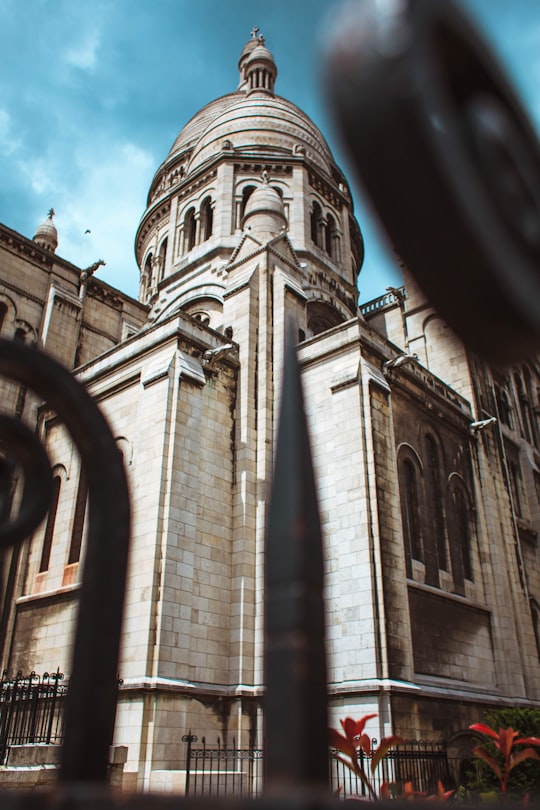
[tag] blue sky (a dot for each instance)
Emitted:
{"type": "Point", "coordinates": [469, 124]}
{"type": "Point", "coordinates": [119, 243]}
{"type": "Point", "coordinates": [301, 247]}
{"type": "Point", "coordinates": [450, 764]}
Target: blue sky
{"type": "Point", "coordinates": [93, 94]}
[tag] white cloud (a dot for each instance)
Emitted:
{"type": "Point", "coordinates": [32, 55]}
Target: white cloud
{"type": "Point", "coordinates": [84, 55]}
{"type": "Point", "coordinates": [38, 171]}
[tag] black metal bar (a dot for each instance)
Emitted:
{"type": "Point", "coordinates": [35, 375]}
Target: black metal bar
{"type": "Point", "coordinates": [56, 679]}
{"type": "Point", "coordinates": [295, 701]}
{"type": "Point", "coordinates": [91, 700]}
{"type": "Point", "coordinates": [189, 739]}
{"type": "Point", "coordinates": [450, 161]}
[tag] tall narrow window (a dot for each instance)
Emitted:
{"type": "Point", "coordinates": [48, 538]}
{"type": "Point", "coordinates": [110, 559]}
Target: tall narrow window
{"type": "Point", "coordinates": [515, 486]}
{"type": "Point", "coordinates": [330, 236]}
{"type": "Point", "coordinates": [49, 528]}
{"type": "Point", "coordinates": [315, 221]}
{"type": "Point", "coordinates": [435, 501]}
{"type": "Point", "coordinates": [207, 218]}
{"type": "Point", "coordinates": [503, 406]}
{"type": "Point", "coordinates": [410, 514]}
{"type": "Point", "coordinates": [3, 313]}
{"type": "Point", "coordinates": [246, 194]}
{"type": "Point", "coordinates": [190, 230]}
{"type": "Point", "coordinates": [523, 402]}
{"type": "Point", "coordinates": [162, 258]}
{"type": "Point", "coordinates": [148, 272]}
{"type": "Point", "coordinates": [78, 520]}
{"type": "Point", "coordinates": [463, 539]}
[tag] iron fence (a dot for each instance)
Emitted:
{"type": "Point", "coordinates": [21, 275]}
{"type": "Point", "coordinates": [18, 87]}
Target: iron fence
{"type": "Point", "coordinates": [232, 771]}
{"type": "Point", "coordinates": [31, 709]}
{"type": "Point", "coordinates": [423, 763]}
{"type": "Point", "coordinates": [222, 771]}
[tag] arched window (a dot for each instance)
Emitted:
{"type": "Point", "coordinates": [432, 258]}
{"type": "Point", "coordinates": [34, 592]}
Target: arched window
{"type": "Point", "coordinates": [201, 316]}
{"type": "Point", "coordinates": [207, 218]}
{"type": "Point", "coordinates": [3, 313]}
{"type": "Point", "coordinates": [315, 223]}
{"type": "Point", "coordinates": [20, 335]}
{"type": "Point", "coordinates": [78, 520]}
{"type": "Point", "coordinates": [410, 513]}
{"type": "Point", "coordinates": [462, 537]}
{"type": "Point", "coordinates": [321, 316]}
{"type": "Point", "coordinates": [246, 194]}
{"type": "Point", "coordinates": [49, 528]}
{"type": "Point", "coordinates": [434, 500]}
{"type": "Point", "coordinates": [503, 406]}
{"type": "Point", "coordinates": [147, 276]}
{"type": "Point", "coordinates": [523, 403]}
{"type": "Point", "coordinates": [515, 485]}
{"type": "Point", "coordinates": [162, 258]}
{"type": "Point", "coordinates": [190, 230]}
{"type": "Point", "coordinates": [331, 237]}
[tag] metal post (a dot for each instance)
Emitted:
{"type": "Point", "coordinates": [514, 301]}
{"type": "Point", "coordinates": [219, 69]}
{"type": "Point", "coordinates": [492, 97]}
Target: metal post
{"type": "Point", "coordinates": [189, 739]}
{"type": "Point", "coordinates": [296, 741]}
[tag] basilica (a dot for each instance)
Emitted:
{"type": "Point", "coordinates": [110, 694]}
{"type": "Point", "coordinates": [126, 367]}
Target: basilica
{"type": "Point", "coordinates": [427, 459]}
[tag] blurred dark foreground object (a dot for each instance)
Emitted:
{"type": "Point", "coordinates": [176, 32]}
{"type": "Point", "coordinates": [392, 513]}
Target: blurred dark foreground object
{"type": "Point", "coordinates": [450, 161]}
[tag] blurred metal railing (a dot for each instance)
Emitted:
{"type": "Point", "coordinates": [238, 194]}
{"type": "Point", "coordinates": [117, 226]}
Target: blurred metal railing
{"type": "Point", "coordinates": [31, 709]}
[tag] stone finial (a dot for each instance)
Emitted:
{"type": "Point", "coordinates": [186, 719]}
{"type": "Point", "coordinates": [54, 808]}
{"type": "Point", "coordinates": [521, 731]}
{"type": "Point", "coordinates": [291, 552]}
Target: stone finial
{"type": "Point", "coordinates": [46, 235]}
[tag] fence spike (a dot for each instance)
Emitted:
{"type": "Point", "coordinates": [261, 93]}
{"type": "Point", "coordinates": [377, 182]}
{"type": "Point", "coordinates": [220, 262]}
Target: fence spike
{"type": "Point", "coordinates": [295, 710]}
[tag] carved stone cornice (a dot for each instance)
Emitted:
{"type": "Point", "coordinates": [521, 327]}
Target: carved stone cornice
{"type": "Point", "coordinates": [151, 218]}
{"type": "Point", "coordinates": [258, 166]}
{"type": "Point", "coordinates": [197, 183]}
{"type": "Point", "coordinates": [325, 190]}
{"type": "Point", "coordinates": [19, 291]}
{"type": "Point", "coordinates": [25, 247]}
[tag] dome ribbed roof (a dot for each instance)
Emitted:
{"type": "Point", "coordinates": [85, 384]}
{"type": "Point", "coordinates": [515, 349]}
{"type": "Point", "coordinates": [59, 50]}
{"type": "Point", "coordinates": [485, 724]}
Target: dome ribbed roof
{"type": "Point", "coordinates": [254, 120]}
{"type": "Point", "coordinates": [196, 126]}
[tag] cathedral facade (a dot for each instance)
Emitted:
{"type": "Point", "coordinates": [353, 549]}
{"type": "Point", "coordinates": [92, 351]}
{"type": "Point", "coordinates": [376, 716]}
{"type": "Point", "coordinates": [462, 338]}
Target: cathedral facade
{"type": "Point", "coordinates": [427, 459]}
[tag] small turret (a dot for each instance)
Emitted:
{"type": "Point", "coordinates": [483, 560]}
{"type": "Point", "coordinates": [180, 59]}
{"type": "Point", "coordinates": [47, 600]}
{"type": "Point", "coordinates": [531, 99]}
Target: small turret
{"type": "Point", "coordinates": [265, 213]}
{"type": "Point", "coordinates": [46, 235]}
{"type": "Point", "coordinates": [258, 70]}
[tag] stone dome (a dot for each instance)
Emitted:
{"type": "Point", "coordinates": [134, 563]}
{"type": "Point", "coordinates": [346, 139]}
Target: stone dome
{"type": "Point", "coordinates": [258, 121]}
{"type": "Point", "coordinates": [46, 235]}
{"type": "Point", "coordinates": [196, 126]}
{"type": "Point", "coordinates": [252, 117]}
{"type": "Point", "coordinates": [260, 53]}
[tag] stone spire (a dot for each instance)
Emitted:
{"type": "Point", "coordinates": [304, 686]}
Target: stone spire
{"type": "Point", "coordinates": [257, 68]}
{"type": "Point", "coordinates": [46, 235]}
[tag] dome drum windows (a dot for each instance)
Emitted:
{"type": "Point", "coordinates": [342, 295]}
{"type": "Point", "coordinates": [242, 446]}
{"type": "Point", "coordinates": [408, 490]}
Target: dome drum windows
{"type": "Point", "coordinates": [207, 219]}
{"type": "Point", "coordinates": [162, 260]}
{"type": "Point", "coordinates": [147, 278]}
{"type": "Point", "coordinates": [324, 232]}
{"type": "Point", "coordinates": [198, 225]}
